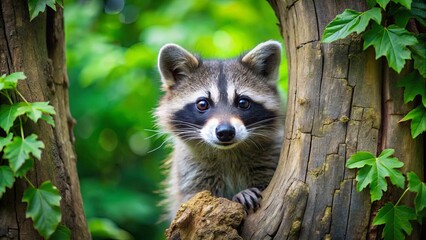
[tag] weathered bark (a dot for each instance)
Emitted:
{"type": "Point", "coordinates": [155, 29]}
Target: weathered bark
{"type": "Point", "coordinates": [340, 101]}
{"type": "Point", "coordinates": [37, 49]}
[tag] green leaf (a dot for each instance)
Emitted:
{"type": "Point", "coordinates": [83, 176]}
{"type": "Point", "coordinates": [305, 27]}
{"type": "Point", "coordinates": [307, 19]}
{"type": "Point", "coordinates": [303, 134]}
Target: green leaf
{"type": "Point", "coordinates": [348, 22]}
{"type": "Point", "coordinates": [402, 16]}
{"type": "Point", "coordinates": [27, 166]}
{"type": "Point", "coordinates": [7, 116]}
{"type": "Point", "coordinates": [61, 233]}
{"type": "Point", "coordinates": [418, 52]}
{"type": "Point", "coordinates": [418, 9]}
{"type": "Point", "coordinates": [374, 171]}
{"type": "Point", "coordinates": [390, 42]}
{"type": "Point", "coordinates": [360, 159]}
{"type": "Point", "coordinates": [371, 3]}
{"type": "Point", "coordinates": [60, 3]}
{"type": "Point", "coordinates": [387, 153]}
{"type": "Point", "coordinates": [383, 3]}
{"type": "Point", "coordinates": [35, 110]}
{"type": "Point", "coordinates": [396, 220]}
{"type": "Point", "coordinates": [20, 149]}
{"type": "Point", "coordinates": [418, 120]}
{"type": "Point", "coordinates": [48, 119]}
{"type": "Point", "coordinates": [413, 85]}
{"type": "Point", "coordinates": [43, 207]}
{"type": "Point", "coordinates": [405, 3]}
{"type": "Point", "coordinates": [6, 179]}
{"type": "Point", "coordinates": [10, 81]}
{"type": "Point", "coordinates": [37, 6]}
{"type": "Point", "coordinates": [419, 187]}
{"type": "Point", "coordinates": [5, 140]}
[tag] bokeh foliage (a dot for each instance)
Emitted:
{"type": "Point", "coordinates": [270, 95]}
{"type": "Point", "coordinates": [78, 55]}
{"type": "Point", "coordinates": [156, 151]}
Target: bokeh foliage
{"type": "Point", "coordinates": [112, 50]}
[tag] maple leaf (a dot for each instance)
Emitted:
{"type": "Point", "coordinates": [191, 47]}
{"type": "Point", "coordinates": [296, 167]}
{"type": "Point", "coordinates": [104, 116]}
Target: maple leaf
{"type": "Point", "coordinates": [6, 179]}
{"type": "Point", "coordinates": [5, 140]}
{"type": "Point", "coordinates": [37, 6]}
{"type": "Point", "coordinates": [7, 116]}
{"type": "Point", "coordinates": [19, 150]}
{"type": "Point", "coordinates": [391, 42]}
{"type": "Point", "coordinates": [419, 187]}
{"type": "Point", "coordinates": [348, 22]}
{"type": "Point", "coordinates": [34, 110]}
{"type": "Point", "coordinates": [413, 85]}
{"type": "Point", "coordinates": [43, 207]}
{"type": "Point", "coordinates": [418, 52]}
{"type": "Point", "coordinates": [418, 120]}
{"type": "Point", "coordinates": [396, 220]}
{"type": "Point", "coordinates": [373, 171]}
{"type": "Point", "coordinates": [10, 81]}
{"type": "Point", "coordinates": [382, 3]}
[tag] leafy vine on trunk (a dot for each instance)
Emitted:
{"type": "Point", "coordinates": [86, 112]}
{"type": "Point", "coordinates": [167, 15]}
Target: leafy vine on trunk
{"type": "Point", "coordinates": [393, 29]}
{"type": "Point", "coordinates": [18, 150]}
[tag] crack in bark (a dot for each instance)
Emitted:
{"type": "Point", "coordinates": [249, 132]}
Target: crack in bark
{"type": "Point", "coordinates": [342, 147]}
{"type": "Point", "coordinates": [316, 110]}
{"type": "Point", "coordinates": [345, 176]}
{"type": "Point", "coordinates": [318, 25]}
{"type": "Point", "coordinates": [306, 43]}
{"type": "Point", "coordinates": [349, 208]}
{"type": "Point", "coordinates": [295, 80]}
{"type": "Point", "coordinates": [291, 4]}
{"type": "Point", "coordinates": [9, 53]}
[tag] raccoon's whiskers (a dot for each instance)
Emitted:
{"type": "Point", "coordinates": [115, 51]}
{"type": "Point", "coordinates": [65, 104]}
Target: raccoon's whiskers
{"type": "Point", "coordinates": [187, 136]}
{"type": "Point", "coordinates": [263, 130]}
{"type": "Point", "coordinates": [259, 147]}
{"type": "Point", "coordinates": [157, 133]}
{"type": "Point", "coordinates": [264, 121]}
{"type": "Point", "coordinates": [181, 133]}
{"type": "Point", "coordinates": [168, 139]}
{"type": "Point", "coordinates": [187, 124]}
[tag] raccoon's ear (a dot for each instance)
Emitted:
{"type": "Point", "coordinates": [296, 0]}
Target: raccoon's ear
{"type": "Point", "coordinates": [264, 59]}
{"type": "Point", "coordinates": [174, 62]}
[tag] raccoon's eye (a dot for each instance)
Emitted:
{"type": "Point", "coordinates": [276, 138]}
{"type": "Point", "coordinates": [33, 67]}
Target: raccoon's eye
{"type": "Point", "coordinates": [244, 103]}
{"type": "Point", "coordinates": [202, 105]}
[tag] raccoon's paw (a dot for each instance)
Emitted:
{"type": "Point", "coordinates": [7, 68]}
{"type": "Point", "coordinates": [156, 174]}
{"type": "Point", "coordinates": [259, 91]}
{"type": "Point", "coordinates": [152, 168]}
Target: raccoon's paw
{"type": "Point", "coordinates": [249, 198]}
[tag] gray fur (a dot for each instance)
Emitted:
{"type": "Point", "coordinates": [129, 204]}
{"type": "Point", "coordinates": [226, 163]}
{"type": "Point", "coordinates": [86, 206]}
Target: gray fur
{"type": "Point", "coordinates": [195, 165]}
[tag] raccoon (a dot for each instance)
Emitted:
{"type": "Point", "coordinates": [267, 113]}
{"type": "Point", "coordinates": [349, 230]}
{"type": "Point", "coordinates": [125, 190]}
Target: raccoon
{"type": "Point", "coordinates": [225, 122]}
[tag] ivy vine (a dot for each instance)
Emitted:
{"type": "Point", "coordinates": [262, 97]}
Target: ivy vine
{"type": "Point", "coordinates": [373, 172]}
{"type": "Point", "coordinates": [385, 27]}
{"type": "Point", "coordinates": [18, 152]}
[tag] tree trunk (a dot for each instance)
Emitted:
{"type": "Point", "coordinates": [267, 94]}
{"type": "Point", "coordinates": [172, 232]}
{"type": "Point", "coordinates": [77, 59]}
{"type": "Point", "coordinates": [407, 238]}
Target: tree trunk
{"type": "Point", "coordinates": [340, 101]}
{"type": "Point", "coordinates": [37, 49]}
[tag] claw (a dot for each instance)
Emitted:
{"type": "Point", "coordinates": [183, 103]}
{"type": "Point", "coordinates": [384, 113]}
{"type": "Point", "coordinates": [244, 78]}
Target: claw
{"type": "Point", "coordinates": [250, 198]}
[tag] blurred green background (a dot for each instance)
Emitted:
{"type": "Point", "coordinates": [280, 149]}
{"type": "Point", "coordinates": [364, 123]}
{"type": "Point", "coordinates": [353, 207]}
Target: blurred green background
{"type": "Point", "coordinates": [112, 48]}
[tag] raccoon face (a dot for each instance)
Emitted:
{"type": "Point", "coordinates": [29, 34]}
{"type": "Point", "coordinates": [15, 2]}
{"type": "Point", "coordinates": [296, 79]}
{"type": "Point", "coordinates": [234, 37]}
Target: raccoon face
{"type": "Point", "coordinates": [221, 103]}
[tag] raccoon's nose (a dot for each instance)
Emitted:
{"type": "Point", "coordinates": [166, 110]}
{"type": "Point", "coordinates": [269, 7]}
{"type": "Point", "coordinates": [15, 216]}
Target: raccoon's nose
{"type": "Point", "coordinates": [225, 132]}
